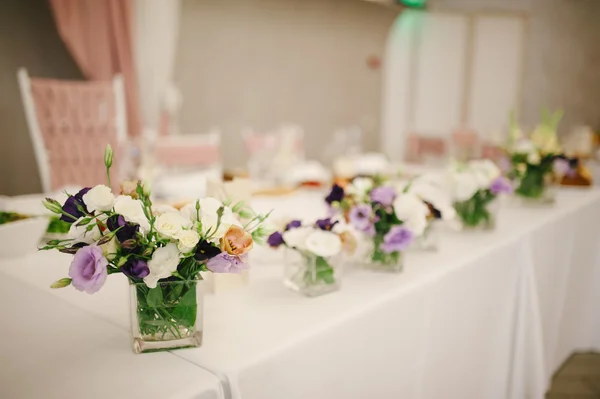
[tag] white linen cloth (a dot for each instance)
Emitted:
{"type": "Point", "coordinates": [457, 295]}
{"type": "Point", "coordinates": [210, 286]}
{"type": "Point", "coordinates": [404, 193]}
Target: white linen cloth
{"type": "Point", "coordinates": [490, 315]}
{"type": "Point", "coordinates": [53, 350]}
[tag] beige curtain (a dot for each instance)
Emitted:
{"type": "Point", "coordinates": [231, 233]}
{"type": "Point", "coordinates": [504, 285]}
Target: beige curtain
{"type": "Point", "coordinates": [98, 33]}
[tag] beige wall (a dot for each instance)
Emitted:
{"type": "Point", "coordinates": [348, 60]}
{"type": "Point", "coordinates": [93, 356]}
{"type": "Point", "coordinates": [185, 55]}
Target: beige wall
{"type": "Point", "coordinates": [27, 38]}
{"type": "Point", "coordinates": [261, 63]}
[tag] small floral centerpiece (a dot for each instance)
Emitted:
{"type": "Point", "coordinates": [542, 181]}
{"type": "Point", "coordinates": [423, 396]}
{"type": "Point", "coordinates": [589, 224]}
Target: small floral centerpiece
{"type": "Point", "coordinates": [533, 159]}
{"type": "Point", "coordinates": [475, 187]}
{"type": "Point", "coordinates": [389, 218]}
{"type": "Point", "coordinates": [313, 262]}
{"type": "Point", "coordinates": [160, 249]}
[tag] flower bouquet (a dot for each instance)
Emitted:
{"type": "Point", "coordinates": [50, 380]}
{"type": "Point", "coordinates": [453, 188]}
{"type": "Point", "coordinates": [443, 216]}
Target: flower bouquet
{"type": "Point", "coordinates": [313, 264]}
{"type": "Point", "coordinates": [475, 187]}
{"type": "Point", "coordinates": [390, 219]}
{"type": "Point", "coordinates": [533, 159]}
{"type": "Point", "coordinates": [160, 249]}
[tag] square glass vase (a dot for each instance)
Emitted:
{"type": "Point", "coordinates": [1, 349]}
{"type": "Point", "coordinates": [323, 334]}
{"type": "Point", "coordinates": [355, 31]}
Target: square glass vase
{"type": "Point", "coordinates": [429, 241]}
{"type": "Point", "coordinates": [379, 261]}
{"type": "Point", "coordinates": [474, 216]}
{"type": "Point", "coordinates": [166, 317]}
{"type": "Point", "coordinates": [311, 275]}
{"type": "Point", "coordinates": [544, 196]}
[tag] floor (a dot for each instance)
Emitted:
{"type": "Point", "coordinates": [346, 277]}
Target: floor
{"type": "Point", "coordinates": [578, 378]}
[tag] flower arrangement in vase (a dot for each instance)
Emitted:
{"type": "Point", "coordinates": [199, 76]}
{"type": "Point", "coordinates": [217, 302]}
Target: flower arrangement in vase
{"type": "Point", "coordinates": [533, 158]}
{"type": "Point", "coordinates": [390, 219]}
{"type": "Point", "coordinates": [313, 254]}
{"type": "Point", "coordinates": [475, 187]}
{"type": "Point", "coordinates": [160, 249]}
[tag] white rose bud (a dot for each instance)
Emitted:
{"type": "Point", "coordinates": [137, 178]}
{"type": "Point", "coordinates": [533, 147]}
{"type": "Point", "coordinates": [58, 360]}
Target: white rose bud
{"type": "Point", "coordinates": [99, 198]}
{"type": "Point", "coordinates": [188, 239]}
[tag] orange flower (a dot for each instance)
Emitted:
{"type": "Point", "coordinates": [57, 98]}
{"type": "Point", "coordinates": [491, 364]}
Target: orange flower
{"type": "Point", "coordinates": [348, 242]}
{"type": "Point", "coordinates": [128, 187]}
{"type": "Point", "coordinates": [236, 241]}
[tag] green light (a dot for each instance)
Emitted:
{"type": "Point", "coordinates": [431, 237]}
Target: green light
{"type": "Point", "coordinates": [413, 3]}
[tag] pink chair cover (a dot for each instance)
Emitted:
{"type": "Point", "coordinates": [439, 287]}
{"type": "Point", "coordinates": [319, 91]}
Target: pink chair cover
{"type": "Point", "coordinates": [187, 154]}
{"type": "Point", "coordinates": [465, 144]}
{"type": "Point", "coordinates": [419, 147]}
{"type": "Point", "coordinates": [77, 121]}
{"type": "Point", "coordinates": [492, 151]}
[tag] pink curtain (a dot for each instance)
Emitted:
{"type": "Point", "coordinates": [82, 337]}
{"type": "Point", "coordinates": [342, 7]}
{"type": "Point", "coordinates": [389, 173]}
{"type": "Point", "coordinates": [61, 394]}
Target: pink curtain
{"type": "Point", "coordinates": [98, 33]}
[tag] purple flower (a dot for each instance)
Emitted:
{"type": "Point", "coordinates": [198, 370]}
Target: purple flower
{"type": "Point", "coordinates": [562, 167]}
{"type": "Point", "coordinates": [501, 185]}
{"type": "Point", "coordinates": [398, 238]}
{"type": "Point", "coordinates": [127, 230]}
{"type": "Point", "coordinates": [293, 225]}
{"type": "Point", "coordinates": [72, 205]}
{"type": "Point", "coordinates": [383, 195]}
{"type": "Point", "coordinates": [326, 224]}
{"type": "Point", "coordinates": [275, 240]}
{"type": "Point", "coordinates": [226, 263]}
{"type": "Point", "coordinates": [88, 269]}
{"type": "Point", "coordinates": [205, 250]}
{"type": "Point", "coordinates": [336, 194]}
{"type": "Point", "coordinates": [135, 268]}
{"type": "Point", "coordinates": [360, 217]}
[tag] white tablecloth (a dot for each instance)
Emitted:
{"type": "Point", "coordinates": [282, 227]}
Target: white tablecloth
{"type": "Point", "coordinates": [490, 315]}
{"type": "Point", "coordinates": [51, 349]}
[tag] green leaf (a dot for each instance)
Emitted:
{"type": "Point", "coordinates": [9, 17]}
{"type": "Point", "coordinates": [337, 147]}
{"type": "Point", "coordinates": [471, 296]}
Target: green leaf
{"type": "Point", "coordinates": [187, 308]}
{"type": "Point", "coordinates": [324, 270]}
{"type": "Point", "coordinates": [155, 297]}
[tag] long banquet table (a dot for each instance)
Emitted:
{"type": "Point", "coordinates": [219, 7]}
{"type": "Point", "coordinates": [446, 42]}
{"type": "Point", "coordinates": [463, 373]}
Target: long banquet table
{"type": "Point", "coordinates": [489, 315]}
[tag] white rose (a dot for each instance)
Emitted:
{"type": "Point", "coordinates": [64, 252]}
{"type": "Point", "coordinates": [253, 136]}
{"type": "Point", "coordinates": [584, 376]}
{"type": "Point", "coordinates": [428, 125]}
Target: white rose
{"type": "Point", "coordinates": [464, 185]}
{"type": "Point", "coordinates": [485, 172]}
{"type": "Point", "coordinates": [296, 238]}
{"type": "Point", "coordinates": [80, 233]}
{"type": "Point", "coordinates": [99, 198]}
{"type": "Point", "coordinates": [170, 224]}
{"type": "Point", "coordinates": [162, 265]}
{"type": "Point", "coordinates": [533, 158]}
{"type": "Point", "coordinates": [159, 209]}
{"type": "Point", "coordinates": [360, 186]}
{"type": "Point", "coordinates": [412, 211]}
{"type": "Point", "coordinates": [188, 239]}
{"type": "Point", "coordinates": [208, 216]}
{"type": "Point", "coordinates": [132, 210]}
{"type": "Point", "coordinates": [323, 243]}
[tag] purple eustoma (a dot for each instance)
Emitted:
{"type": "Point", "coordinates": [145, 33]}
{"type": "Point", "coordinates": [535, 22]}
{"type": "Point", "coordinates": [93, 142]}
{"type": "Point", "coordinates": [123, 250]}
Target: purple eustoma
{"type": "Point", "coordinates": [326, 224]}
{"type": "Point", "coordinates": [135, 268]}
{"type": "Point", "coordinates": [88, 269]}
{"type": "Point", "coordinates": [563, 167]}
{"type": "Point", "coordinates": [336, 194]}
{"type": "Point", "coordinates": [126, 231]}
{"type": "Point", "coordinates": [226, 263]}
{"type": "Point", "coordinates": [361, 218]}
{"type": "Point", "coordinates": [275, 240]}
{"type": "Point", "coordinates": [294, 224]}
{"type": "Point", "coordinates": [397, 239]}
{"type": "Point", "coordinates": [72, 206]}
{"type": "Point", "coordinates": [383, 195]}
{"type": "Point", "coordinates": [501, 185]}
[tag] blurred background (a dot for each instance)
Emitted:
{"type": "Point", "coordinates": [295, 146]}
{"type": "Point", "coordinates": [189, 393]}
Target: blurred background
{"type": "Point", "coordinates": [376, 71]}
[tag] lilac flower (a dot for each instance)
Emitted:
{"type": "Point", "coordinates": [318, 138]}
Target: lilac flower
{"type": "Point", "coordinates": [383, 195]}
{"type": "Point", "coordinates": [501, 185]}
{"type": "Point", "coordinates": [293, 225]}
{"type": "Point", "coordinates": [226, 263]}
{"type": "Point", "coordinates": [562, 167]}
{"type": "Point", "coordinates": [135, 268]}
{"type": "Point", "coordinates": [127, 230]}
{"type": "Point", "coordinates": [275, 240]}
{"type": "Point", "coordinates": [398, 238]}
{"type": "Point", "coordinates": [72, 204]}
{"type": "Point", "coordinates": [336, 194]}
{"type": "Point", "coordinates": [88, 269]}
{"type": "Point", "coordinates": [326, 224]}
{"type": "Point", "coordinates": [360, 217]}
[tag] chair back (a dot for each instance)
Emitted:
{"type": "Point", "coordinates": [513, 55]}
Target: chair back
{"type": "Point", "coordinates": [426, 150]}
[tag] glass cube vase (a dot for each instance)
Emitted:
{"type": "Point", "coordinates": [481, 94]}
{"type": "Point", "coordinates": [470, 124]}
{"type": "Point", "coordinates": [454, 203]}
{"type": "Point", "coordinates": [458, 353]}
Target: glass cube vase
{"type": "Point", "coordinates": [536, 189]}
{"type": "Point", "coordinates": [475, 216]}
{"type": "Point", "coordinates": [166, 317]}
{"type": "Point", "coordinates": [311, 275]}
{"type": "Point", "coordinates": [429, 241]}
{"type": "Point", "coordinates": [379, 261]}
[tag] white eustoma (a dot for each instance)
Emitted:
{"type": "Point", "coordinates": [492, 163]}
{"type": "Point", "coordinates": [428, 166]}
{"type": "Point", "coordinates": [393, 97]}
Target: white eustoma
{"type": "Point", "coordinates": [162, 265]}
{"type": "Point", "coordinates": [523, 146]}
{"type": "Point", "coordinates": [188, 239]}
{"type": "Point", "coordinates": [485, 172]}
{"type": "Point", "coordinates": [99, 198]}
{"type": "Point", "coordinates": [323, 243]}
{"type": "Point", "coordinates": [360, 186]}
{"type": "Point", "coordinates": [412, 211]}
{"type": "Point", "coordinates": [132, 211]}
{"type": "Point", "coordinates": [296, 238]}
{"type": "Point", "coordinates": [208, 217]}
{"type": "Point", "coordinates": [80, 233]}
{"type": "Point", "coordinates": [436, 196]}
{"type": "Point", "coordinates": [170, 224]}
{"type": "Point", "coordinates": [464, 185]}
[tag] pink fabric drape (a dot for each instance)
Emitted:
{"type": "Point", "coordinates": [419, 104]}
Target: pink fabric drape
{"type": "Point", "coordinates": [98, 34]}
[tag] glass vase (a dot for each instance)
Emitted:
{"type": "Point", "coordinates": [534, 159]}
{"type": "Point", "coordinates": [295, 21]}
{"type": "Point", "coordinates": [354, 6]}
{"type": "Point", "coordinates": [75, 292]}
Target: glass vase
{"type": "Point", "coordinates": [379, 261]}
{"type": "Point", "coordinates": [477, 215]}
{"type": "Point", "coordinates": [166, 317]}
{"type": "Point", "coordinates": [536, 189]}
{"type": "Point", "coordinates": [311, 275]}
{"type": "Point", "coordinates": [429, 241]}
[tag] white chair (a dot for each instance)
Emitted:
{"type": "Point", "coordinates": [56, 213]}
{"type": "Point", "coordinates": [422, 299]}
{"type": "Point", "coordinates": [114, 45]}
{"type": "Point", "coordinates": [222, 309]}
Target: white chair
{"type": "Point", "coordinates": [70, 123]}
